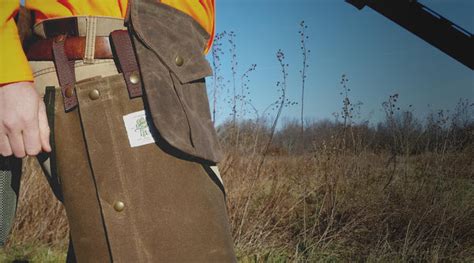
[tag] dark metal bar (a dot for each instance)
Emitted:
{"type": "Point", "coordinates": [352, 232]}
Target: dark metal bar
{"type": "Point", "coordinates": [426, 24]}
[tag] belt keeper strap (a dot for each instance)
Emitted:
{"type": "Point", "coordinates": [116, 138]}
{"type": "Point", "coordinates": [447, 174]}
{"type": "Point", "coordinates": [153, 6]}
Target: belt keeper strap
{"type": "Point", "coordinates": [122, 46]}
{"type": "Point", "coordinates": [65, 73]}
{"type": "Point", "coordinates": [89, 50]}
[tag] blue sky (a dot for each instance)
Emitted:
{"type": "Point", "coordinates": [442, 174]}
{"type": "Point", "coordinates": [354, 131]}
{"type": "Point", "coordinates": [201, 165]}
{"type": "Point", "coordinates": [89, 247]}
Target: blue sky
{"type": "Point", "coordinates": [379, 57]}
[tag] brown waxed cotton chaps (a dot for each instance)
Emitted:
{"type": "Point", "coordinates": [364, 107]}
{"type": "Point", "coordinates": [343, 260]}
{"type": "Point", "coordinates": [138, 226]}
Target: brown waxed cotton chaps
{"type": "Point", "coordinates": [146, 203]}
{"type": "Point", "coordinates": [130, 204]}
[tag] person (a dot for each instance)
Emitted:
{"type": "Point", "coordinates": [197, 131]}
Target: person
{"type": "Point", "coordinates": [126, 123]}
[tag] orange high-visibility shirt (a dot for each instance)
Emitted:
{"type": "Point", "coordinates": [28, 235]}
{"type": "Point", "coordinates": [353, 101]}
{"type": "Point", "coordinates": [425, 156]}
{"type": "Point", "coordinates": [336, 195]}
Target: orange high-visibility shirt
{"type": "Point", "coordinates": [13, 63]}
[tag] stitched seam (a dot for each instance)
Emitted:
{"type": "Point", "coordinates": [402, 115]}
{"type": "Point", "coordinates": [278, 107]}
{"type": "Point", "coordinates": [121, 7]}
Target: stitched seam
{"type": "Point", "coordinates": [44, 71]}
{"type": "Point", "coordinates": [91, 27]}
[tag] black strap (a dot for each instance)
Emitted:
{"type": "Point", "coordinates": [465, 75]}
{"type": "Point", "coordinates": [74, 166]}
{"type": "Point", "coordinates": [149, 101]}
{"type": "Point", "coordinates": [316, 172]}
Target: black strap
{"type": "Point", "coordinates": [53, 179]}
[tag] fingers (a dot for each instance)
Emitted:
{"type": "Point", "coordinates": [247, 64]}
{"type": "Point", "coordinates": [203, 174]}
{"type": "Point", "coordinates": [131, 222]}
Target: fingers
{"type": "Point", "coordinates": [23, 142]}
{"type": "Point", "coordinates": [23, 123]}
{"type": "Point", "coordinates": [17, 145]}
{"type": "Point", "coordinates": [44, 129]}
{"type": "Point", "coordinates": [5, 149]}
{"type": "Point", "coordinates": [31, 138]}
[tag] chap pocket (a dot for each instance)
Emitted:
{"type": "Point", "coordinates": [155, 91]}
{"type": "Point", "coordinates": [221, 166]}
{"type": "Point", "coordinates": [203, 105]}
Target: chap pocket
{"type": "Point", "coordinates": [169, 51]}
{"type": "Point", "coordinates": [176, 38]}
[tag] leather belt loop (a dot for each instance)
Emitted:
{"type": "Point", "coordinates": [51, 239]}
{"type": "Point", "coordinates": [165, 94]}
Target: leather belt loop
{"type": "Point", "coordinates": [65, 73]}
{"type": "Point", "coordinates": [91, 29]}
{"type": "Point", "coordinates": [122, 45]}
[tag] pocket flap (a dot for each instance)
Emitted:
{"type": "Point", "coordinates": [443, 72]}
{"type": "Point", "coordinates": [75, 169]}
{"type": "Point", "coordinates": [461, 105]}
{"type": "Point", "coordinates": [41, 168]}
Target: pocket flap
{"type": "Point", "coordinates": [175, 37]}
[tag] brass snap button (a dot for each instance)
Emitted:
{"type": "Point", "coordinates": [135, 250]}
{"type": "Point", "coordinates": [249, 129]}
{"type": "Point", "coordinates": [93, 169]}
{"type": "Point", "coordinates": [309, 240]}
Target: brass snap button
{"type": "Point", "coordinates": [134, 77]}
{"type": "Point", "coordinates": [69, 92]}
{"type": "Point", "coordinates": [94, 94]}
{"type": "Point", "coordinates": [179, 61]}
{"type": "Point", "coordinates": [119, 206]}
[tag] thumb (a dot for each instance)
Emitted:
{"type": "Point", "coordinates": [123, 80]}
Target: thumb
{"type": "Point", "coordinates": [43, 127]}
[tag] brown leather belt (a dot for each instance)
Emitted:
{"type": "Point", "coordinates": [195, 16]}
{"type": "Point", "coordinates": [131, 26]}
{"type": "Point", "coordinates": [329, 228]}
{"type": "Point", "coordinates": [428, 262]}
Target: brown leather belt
{"type": "Point", "coordinates": [74, 47]}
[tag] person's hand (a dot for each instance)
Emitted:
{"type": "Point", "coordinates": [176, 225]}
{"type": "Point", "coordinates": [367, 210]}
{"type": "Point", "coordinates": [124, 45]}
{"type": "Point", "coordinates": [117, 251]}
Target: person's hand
{"type": "Point", "coordinates": [24, 126]}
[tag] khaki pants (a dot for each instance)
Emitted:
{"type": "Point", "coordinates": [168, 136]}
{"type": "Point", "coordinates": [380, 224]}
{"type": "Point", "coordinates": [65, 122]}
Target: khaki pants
{"type": "Point", "coordinates": [128, 204]}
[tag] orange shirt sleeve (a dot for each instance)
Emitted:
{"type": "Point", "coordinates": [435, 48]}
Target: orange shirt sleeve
{"type": "Point", "coordinates": [14, 66]}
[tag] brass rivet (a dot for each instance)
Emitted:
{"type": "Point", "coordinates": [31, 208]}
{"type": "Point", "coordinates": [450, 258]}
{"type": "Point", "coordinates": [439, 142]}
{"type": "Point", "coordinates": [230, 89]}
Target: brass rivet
{"type": "Point", "coordinates": [179, 61]}
{"type": "Point", "coordinates": [134, 77]}
{"type": "Point", "coordinates": [94, 94]}
{"type": "Point", "coordinates": [69, 92]}
{"type": "Point", "coordinates": [119, 206]}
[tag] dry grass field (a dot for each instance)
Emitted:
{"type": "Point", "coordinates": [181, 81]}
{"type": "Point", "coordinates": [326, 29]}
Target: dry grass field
{"type": "Point", "coordinates": [340, 208]}
{"type": "Point", "coordinates": [398, 191]}
{"type": "Point", "coordinates": [329, 204]}
{"type": "Point", "coordinates": [40, 232]}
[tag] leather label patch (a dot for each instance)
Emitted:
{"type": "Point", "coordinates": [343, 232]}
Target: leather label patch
{"type": "Point", "coordinates": [138, 131]}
